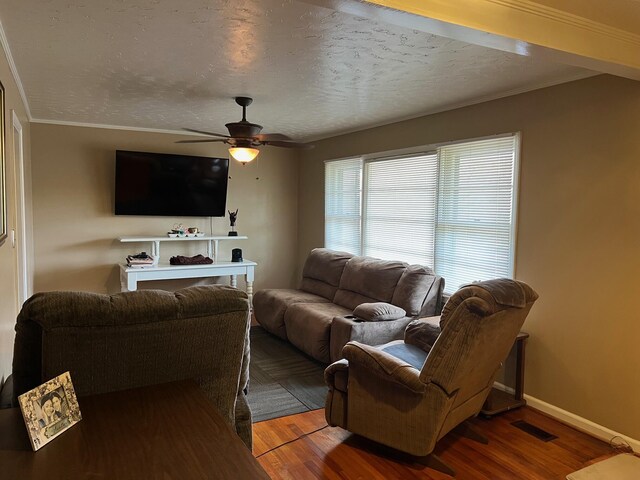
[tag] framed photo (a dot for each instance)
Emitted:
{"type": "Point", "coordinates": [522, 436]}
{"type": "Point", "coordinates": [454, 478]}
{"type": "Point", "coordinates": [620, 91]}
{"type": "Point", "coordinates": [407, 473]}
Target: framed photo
{"type": "Point", "coordinates": [49, 410]}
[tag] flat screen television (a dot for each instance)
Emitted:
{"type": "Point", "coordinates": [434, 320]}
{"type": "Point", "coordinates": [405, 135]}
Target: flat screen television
{"type": "Point", "coordinates": [170, 185]}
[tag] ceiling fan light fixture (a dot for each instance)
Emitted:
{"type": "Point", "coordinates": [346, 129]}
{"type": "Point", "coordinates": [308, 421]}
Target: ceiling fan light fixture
{"type": "Point", "coordinates": [243, 154]}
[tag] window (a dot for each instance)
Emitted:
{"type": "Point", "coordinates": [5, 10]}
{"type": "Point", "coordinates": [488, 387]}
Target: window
{"type": "Point", "coordinates": [474, 229]}
{"type": "Point", "coordinates": [342, 205]}
{"type": "Point", "coordinates": [399, 208]}
{"type": "Point", "coordinates": [453, 208]}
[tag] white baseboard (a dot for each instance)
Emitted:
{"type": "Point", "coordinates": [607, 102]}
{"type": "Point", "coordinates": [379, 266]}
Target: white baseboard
{"type": "Point", "coordinates": [580, 423]}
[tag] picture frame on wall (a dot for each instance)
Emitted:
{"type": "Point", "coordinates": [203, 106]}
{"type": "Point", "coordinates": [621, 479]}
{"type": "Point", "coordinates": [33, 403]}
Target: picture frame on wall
{"type": "Point", "coordinates": [3, 172]}
{"type": "Point", "coordinates": [49, 410]}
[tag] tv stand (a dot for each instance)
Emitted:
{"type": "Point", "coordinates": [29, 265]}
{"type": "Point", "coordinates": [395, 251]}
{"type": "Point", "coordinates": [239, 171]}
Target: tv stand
{"type": "Point", "coordinates": [130, 276]}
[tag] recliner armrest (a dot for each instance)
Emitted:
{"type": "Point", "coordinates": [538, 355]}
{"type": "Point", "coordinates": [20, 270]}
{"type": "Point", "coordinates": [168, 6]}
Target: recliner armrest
{"type": "Point", "coordinates": [423, 332]}
{"type": "Point", "coordinates": [346, 329]}
{"type": "Point", "coordinates": [335, 374]}
{"type": "Point", "coordinates": [383, 365]}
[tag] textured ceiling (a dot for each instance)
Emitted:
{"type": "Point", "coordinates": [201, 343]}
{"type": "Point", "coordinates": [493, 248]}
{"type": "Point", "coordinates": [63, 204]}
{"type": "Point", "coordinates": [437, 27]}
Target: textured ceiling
{"type": "Point", "coordinates": [313, 72]}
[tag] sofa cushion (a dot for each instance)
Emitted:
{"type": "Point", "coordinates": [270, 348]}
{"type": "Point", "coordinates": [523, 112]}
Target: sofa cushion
{"type": "Point", "coordinates": [269, 307]}
{"type": "Point", "coordinates": [322, 272]}
{"type": "Point", "coordinates": [413, 289]}
{"type": "Point", "coordinates": [367, 279]}
{"type": "Point", "coordinates": [309, 326]}
{"type": "Point", "coordinates": [411, 354]}
{"type": "Point", "coordinates": [378, 312]}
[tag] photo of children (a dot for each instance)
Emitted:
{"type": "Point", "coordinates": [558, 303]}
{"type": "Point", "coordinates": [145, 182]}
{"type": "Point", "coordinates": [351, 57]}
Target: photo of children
{"type": "Point", "coordinates": [49, 410]}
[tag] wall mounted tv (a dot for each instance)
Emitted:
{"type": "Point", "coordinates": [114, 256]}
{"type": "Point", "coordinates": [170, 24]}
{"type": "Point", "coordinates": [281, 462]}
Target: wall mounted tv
{"type": "Point", "coordinates": [170, 185]}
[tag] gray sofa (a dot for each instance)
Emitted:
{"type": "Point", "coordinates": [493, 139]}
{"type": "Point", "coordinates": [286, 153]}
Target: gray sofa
{"type": "Point", "coordinates": [343, 298]}
{"type": "Point", "coordinates": [134, 339]}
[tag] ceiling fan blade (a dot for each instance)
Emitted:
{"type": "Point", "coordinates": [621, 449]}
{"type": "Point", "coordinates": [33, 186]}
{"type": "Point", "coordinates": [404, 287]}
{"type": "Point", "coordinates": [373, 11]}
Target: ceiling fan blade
{"type": "Point", "coordinates": [277, 143]}
{"type": "Point", "coordinates": [206, 133]}
{"type": "Point", "coordinates": [265, 137]}
{"type": "Point", "coordinates": [208, 140]}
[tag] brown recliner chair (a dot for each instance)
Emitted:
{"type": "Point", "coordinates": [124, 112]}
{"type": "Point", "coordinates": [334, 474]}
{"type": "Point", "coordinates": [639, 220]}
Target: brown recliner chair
{"type": "Point", "coordinates": [409, 394]}
{"type": "Point", "coordinates": [134, 339]}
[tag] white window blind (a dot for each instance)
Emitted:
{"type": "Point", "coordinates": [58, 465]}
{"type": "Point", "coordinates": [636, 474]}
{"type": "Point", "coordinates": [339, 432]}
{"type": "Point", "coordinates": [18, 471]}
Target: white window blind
{"type": "Point", "coordinates": [400, 207]}
{"type": "Point", "coordinates": [343, 203]}
{"type": "Point", "coordinates": [475, 213]}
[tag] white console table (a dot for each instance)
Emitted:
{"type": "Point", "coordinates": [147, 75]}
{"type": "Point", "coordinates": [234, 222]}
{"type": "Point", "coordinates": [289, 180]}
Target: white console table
{"type": "Point", "coordinates": [130, 276]}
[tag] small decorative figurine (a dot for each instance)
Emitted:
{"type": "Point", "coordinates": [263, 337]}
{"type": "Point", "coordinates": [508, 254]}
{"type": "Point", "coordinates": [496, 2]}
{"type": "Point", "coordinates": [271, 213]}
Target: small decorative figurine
{"type": "Point", "coordinates": [232, 219]}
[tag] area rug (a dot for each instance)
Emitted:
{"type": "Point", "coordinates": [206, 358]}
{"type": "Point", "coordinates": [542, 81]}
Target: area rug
{"type": "Point", "coordinates": [282, 380]}
{"type": "Point", "coordinates": [620, 467]}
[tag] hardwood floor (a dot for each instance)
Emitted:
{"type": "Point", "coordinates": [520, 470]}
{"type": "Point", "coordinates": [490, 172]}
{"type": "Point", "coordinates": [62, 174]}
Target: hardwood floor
{"type": "Point", "coordinates": [512, 454]}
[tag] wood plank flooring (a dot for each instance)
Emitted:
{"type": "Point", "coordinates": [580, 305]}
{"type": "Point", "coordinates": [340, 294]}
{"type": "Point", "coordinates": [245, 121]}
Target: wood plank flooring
{"type": "Point", "coordinates": [511, 454]}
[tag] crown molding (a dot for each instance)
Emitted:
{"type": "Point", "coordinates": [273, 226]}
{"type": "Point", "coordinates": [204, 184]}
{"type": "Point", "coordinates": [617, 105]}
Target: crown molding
{"type": "Point", "coordinates": [115, 127]}
{"type": "Point", "coordinates": [14, 70]}
{"type": "Point", "coordinates": [316, 138]}
{"type": "Point", "coordinates": [526, 7]}
{"type": "Point", "coordinates": [455, 106]}
{"type": "Point", "coordinates": [570, 19]}
{"type": "Point", "coordinates": [523, 27]}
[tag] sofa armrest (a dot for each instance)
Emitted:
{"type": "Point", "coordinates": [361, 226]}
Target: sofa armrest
{"type": "Point", "coordinates": [346, 329]}
{"type": "Point", "coordinates": [423, 332]}
{"type": "Point", "coordinates": [378, 312]}
{"type": "Point", "coordinates": [385, 366]}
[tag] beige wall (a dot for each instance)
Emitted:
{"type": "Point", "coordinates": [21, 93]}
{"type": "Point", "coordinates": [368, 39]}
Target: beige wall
{"type": "Point", "coordinates": [8, 254]}
{"type": "Point", "coordinates": [76, 229]}
{"type": "Point", "coordinates": [578, 232]}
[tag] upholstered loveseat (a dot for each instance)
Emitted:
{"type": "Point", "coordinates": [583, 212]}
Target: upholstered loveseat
{"type": "Point", "coordinates": [134, 339]}
{"type": "Point", "coordinates": [344, 297]}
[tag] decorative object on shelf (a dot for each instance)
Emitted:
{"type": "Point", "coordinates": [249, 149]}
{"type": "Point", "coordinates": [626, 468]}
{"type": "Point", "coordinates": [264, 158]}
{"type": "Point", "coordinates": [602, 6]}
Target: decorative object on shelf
{"type": "Point", "coordinates": [195, 260]}
{"type": "Point", "coordinates": [49, 410]}
{"type": "Point", "coordinates": [236, 255]}
{"type": "Point", "coordinates": [141, 259]}
{"type": "Point", "coordinates": [156, 241]}
{"type": "Point", "coordinates": [244, 137]}
{"type": "Point", "coordinates": [178, 230]}
{"type": "Point", "coordinates": [233, 216]}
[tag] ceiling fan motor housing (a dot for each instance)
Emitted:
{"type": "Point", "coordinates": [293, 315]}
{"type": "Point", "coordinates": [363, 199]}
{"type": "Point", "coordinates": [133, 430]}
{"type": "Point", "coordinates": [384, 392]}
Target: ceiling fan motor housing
{"type": "Point", "coordinates": [243, 129]}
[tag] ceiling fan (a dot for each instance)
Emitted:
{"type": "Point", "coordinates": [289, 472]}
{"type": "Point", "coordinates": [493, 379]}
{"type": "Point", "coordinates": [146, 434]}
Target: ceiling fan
{"type": "Point", "coordinates": [244, 137]}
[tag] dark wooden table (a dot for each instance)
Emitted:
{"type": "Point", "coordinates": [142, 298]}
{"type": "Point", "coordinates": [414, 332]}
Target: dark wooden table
{"type": "Point", "coordinates": [500, 401]}
{"type": "Point", "coordinates": [169, 431]}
